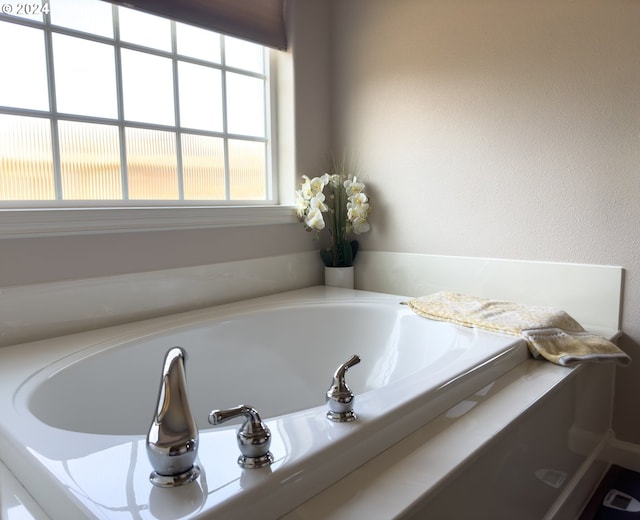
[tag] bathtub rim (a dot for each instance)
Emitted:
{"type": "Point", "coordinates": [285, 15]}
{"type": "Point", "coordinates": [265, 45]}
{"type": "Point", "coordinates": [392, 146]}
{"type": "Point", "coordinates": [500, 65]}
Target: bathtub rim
{"type": "Point", "coordinates": [27, 390]}
{"type": "Point", "coordinates": [71, 342]}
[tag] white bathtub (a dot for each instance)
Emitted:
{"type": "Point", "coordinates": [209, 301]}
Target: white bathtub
{"type": "Point", "coordinates": [75, 410]}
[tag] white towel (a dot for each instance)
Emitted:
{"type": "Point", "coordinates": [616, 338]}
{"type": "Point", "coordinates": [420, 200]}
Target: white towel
{"type": "Point", "coordinates": [549, 332]}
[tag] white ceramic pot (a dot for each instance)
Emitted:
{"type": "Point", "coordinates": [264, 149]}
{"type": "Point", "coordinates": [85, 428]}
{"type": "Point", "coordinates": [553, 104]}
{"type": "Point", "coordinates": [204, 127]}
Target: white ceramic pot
{"type": "Point", "coordinates": [339, 277]}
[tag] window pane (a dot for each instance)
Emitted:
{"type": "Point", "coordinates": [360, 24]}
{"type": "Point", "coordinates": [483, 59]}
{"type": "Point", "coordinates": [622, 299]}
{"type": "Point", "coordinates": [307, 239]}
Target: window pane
{"type": "Point", "coordinates": [91, 16]}
{"type": "Point", "coordinates": [244, 55]}
{"type": "Point", "coordinates": [151, 164]}
{"type": "Point", "coordinates": [26, 162]}
{"type": "Point", "coordinates": [103, 87]}
{"type": "Point", "coordinates": [247, 170]}
{"type": "Point", "coordinates": [147, 88]}
{"type": "Point", "coordinates": [203, 167]}
{"type": "Point", "coordinates": [200, 97]}
{"type": "Point", "coordinates": [22, 60]}
{"type": "Point", "coordinates": [245, 105]}
{"type": "Point", "coordinates": [197, 43]}
{"type": "Point", "coordinates": [144, 29]}
{"type": "Point", "coordinates": [90, 161]}
{"type": "Point", "coordinates": [85, 77]}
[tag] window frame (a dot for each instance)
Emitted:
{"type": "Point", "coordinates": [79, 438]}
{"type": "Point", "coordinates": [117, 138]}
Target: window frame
{"type": "Point", "coordinates": [64, 217]}
{"type": "Point", "coordinates": [26, 223]}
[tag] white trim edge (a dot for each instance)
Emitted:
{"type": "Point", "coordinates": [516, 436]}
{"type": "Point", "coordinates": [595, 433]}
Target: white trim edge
{"type": "Point", "coordinates": [19, 223]}
{"type": "Point", "coordinates": [623, 453]}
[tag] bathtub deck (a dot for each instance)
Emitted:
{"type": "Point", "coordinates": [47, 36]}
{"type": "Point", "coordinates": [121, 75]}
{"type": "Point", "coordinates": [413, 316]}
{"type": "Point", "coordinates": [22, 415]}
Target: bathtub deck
{"type": "Point", "coordinates": [397, 482]}
{"type": "Point", "coordinates": [406, 474]}
{"type": "Point", "coordinates": [390, 485]}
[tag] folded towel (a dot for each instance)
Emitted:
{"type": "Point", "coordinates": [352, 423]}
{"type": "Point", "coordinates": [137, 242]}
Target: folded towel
{"type": "Point", "coordinates": [549, 332]}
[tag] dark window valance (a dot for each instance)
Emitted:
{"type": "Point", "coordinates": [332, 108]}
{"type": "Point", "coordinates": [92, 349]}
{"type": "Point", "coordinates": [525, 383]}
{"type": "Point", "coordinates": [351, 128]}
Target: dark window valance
{"type": "Point", "coordinates": [260, 21]}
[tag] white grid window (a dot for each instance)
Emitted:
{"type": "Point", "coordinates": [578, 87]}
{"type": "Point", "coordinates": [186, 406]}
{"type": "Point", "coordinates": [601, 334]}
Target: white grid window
{"type": "Point", "coordinates": [102, 103]}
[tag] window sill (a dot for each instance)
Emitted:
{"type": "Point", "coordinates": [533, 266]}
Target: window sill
{"type": "Point", "coordinates": [20, 223]}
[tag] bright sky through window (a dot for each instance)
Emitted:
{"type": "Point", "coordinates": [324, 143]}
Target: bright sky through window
{"type": "Point", "coordinates": [100, 102]}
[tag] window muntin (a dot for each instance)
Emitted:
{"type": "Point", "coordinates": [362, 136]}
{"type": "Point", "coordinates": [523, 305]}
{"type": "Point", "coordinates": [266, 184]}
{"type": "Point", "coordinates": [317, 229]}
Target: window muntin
{"type": "Point", "coordinates": [138, 120]}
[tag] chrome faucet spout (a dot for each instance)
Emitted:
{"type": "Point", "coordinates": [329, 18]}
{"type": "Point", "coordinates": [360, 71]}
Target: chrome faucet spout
{"type": "Point", "coordinates": [172, 441]}
{"type": "Point", "coordinates": [338, 376]}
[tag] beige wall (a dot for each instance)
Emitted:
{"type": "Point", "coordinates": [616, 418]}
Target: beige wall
{"type": "Point", "coordinates": [500, 128]}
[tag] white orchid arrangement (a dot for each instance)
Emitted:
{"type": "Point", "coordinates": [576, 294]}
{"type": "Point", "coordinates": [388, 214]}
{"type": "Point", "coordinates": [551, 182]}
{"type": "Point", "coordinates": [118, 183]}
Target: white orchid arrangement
{"type": "Point", "coordinates": [340, 199]}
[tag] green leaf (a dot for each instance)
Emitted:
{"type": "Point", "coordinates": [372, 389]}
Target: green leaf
{"type": "Point", "coordinates": [354, 249]}
{"type": "Point", "coordinates": [342, 254]}
{"type": "Point", "coordinates": [345, 254]}
{"type": "Point", "coordinates": [327, 258]}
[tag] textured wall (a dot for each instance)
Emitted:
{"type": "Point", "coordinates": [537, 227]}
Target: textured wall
{"type": "Point", "coordinates": [500, 129]}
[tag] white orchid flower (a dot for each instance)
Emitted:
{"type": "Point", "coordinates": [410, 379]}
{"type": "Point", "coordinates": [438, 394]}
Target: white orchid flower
{"type": "Point", "coordinates": [357, 207]}
{"type": "Point", "coordinates": [317, 202]}
{"type": "Point", "coordinates": [314, 219]}
{"type": "Point", "coordinates": [301, 204]}
{"type": "Point", "coordinates": [353, 187]}
{"type": "Point", "coordinates": [360, 226]}
{"type": "Point", "coordinates": [343, 193]}
{"type": "Point", "coordinates": [317, 184]}
{"type": "Point", "coordinates": [305, 188]}
{"type": "Point", "coordinates": [357, 212]}
{"type": "Point", "coordinates": [358, 199]}
{"type": "Point", "coordinates": [334, 179]}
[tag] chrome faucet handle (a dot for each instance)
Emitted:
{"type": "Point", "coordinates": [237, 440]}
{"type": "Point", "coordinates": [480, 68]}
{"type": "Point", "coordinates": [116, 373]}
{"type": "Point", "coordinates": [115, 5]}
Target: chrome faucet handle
{"type": "Point", "coordinates": [172, 440]}
{"type": "Point", "coordinates": [339, 397]}
{"type": "Point", "coordinates": [254, 438]}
